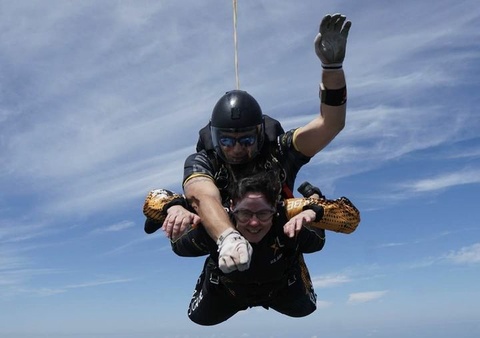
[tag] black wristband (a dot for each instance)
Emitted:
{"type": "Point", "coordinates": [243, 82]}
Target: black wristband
{"type": "Point", "coordinates": [335, 66]}
{"type": "Point", "coordinates": [318, 211]}
{"type": "Point", "coordinates": [333, 97]}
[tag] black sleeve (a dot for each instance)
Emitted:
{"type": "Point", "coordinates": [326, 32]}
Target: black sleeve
{"type": "Point", "coordinates": [198, 164]}
{"type": "Point", "coordinates": [194, 243]}
{"type": "Point", "coordinates": [310, 239]}
{"type": "Point", "coordinates": [152, 225]}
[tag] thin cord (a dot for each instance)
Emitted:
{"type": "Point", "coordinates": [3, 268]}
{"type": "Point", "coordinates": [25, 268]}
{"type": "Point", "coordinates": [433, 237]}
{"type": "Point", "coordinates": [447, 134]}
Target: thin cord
{"type": "Point", "coordinates": [235, 42]}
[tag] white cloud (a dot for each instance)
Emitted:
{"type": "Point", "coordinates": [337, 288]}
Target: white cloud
{"type": "Point", "coordinates": [391, 245]}
{"type": "Point", "coordinates": [422, 263]}
{"type": "Point", "coordinates": [363, 297]}
{"type": "Point", "coordinates": [120, 249]}
{"type": "Point", "coordinates": [465, 255]}
{"type": "Point", "coordinates": [115, 227]}
{"type": "Point", "coordinates": [445, 180]}
{"type": "Point", "coordinates": [14, 290]}
{"type": "Point", "coordinates": [99, 282]}
{"type": "Point", "coordinates": [120, 226]}
{"type": "Point", "coordinates": [14, 281]}
{"type": "Point", "coordinates": [330, 281]}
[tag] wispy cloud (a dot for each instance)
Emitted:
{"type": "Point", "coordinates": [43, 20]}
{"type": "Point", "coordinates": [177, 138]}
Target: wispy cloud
{"type": "Point", "coordinates": [17, 290]}
{"type": "Point", "coordinates": [330, 280]}
{"type": "Point", "coordinates": [431, 238]}
{"type": "Point", "coordinates": [422, 263]}
{"type": "Point", "coordinates": [465, 153]}
{"type": "Point", "coordinates": [407, 188]}
{"type": "Point", "coordinates": [383, 134]}
{"type": "Point", "coordinates": [364, 297]}
{"type": "Point", "coordinates": [465, 255]}
{"type": "Point", "coordinates": [14, 281]}
{"type": "Point", "coordinates": [122, 248]}
{"type": "Point", "coordinates": [99, 282]}
{"type": "Point", "coordinates": [21, 229]}
{"type": "Point", "coordinates": [115, 227]}
{"type": "Point", "coordinates": [445, 180]}
{"type": "Point", "coordinates": [392, 244]}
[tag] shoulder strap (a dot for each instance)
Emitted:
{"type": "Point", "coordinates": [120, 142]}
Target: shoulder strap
{"type": "Point", "coordinates": [204, 139]}
{"type": "Point", "coordinates": [273, 128]}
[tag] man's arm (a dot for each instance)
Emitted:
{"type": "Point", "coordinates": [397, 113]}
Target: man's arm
{"type": "Point", "coordinates": [234, 251]}
{"type": "Point", "coordinates": [330, 47]}
{"type": "Point", "coordinates": [204, 197]}
{"type": "Point", "coordinates": [318, 133]}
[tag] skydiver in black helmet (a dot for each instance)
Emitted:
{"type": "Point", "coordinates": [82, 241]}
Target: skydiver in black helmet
{"type": "Point", "coordinates": [241, 140]}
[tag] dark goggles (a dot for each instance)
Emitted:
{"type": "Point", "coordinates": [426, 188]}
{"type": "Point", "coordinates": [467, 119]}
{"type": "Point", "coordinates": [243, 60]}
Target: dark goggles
{"type": "Point", "coordinates": [230, 141]}
{"type": "Point", "coordinates": [246, 215]}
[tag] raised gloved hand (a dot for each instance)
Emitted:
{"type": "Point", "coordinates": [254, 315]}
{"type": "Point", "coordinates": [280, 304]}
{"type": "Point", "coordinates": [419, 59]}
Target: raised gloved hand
{"type": "Point", "coordinates": [234, 251]}
{"type": "Point", "coordinates": [331, 41]}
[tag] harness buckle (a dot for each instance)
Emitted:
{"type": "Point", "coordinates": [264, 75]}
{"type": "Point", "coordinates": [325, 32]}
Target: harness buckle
{"type": "Point", "coordinates": [292, 280]}
{"type": "Point", "coordinates": [214, 278]}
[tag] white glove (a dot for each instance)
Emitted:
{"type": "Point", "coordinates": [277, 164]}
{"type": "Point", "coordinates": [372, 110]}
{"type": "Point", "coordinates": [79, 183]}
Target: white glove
{"type": "Point", "coordinates": [331, 41]}
{"type": "Point", "coordinates": [234, 250]}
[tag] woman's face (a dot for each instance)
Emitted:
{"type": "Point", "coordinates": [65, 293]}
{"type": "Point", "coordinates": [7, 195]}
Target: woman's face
{"type": "Point", "coordinates": [253, 215]}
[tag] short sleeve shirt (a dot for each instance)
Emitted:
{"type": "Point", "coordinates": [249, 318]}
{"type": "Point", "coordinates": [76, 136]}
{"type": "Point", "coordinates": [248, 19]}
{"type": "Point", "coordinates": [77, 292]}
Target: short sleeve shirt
{"type": "Point", "coordinates": [288, 158]}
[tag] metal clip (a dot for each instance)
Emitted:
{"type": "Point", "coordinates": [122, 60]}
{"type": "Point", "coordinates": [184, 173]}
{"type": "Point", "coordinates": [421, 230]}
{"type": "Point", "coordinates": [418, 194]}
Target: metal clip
{"type": "Point", "coordinates": [292, 280]}
{"type": "Point", "coordinates": [214, 279]}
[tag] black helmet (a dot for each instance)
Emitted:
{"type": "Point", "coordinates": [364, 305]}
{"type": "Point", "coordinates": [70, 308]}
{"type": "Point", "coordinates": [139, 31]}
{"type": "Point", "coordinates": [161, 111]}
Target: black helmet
{"type": "Point", "coordinates": [236, 109]}
{"type": "Point", "coordinates": [237, 112]}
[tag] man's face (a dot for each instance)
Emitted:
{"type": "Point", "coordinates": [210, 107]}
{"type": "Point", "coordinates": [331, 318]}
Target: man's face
{"type": "Point", "coordinates": [238, 147]}
{"type": "Point", "coordinates": [253, 216]}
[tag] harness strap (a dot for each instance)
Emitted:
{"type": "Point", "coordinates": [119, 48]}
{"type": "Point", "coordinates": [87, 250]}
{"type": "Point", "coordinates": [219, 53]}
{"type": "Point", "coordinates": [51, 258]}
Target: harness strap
{"type": "Point", "coordinates": [287, 192]}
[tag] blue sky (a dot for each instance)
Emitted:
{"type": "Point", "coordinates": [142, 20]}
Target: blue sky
{"type": "Point", "coordinates": [101, 101]}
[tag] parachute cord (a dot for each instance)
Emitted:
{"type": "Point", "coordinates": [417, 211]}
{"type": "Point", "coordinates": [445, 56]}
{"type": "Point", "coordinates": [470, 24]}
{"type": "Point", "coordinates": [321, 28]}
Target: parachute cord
{"type": "Point", "coordinates": [237, 80]}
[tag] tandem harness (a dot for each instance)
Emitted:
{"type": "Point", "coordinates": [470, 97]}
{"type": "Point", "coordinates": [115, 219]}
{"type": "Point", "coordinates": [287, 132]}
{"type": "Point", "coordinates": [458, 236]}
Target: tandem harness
{"type": "Point", "coordinates": [267, 159]}
{"type": "Point", "coordinates": [256, 293]}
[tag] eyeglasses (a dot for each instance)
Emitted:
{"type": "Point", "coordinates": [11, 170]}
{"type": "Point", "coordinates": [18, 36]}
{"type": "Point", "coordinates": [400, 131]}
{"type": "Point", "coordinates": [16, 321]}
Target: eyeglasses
{"type": "Point", "coordinates": [244, 215]}
{"type": "Point", "coordinates": [245, 141]}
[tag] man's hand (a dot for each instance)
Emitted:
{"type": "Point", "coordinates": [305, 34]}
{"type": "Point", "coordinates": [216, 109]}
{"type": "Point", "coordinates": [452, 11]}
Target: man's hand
{"type": "Point", "coordinates": [331, 41]}
{"type": "Point", "coordinates": [234, 250]}
{"type": "Point", "coordinates": [178, 220]}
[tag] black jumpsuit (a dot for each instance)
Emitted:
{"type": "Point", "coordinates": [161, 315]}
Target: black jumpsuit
{"type": "Point", "coordinates": [277, 278]}
{"type": "Point", "coordinates": [277, 261]}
